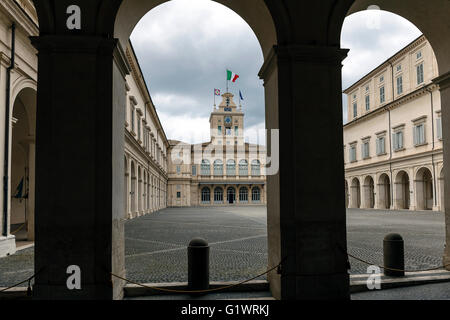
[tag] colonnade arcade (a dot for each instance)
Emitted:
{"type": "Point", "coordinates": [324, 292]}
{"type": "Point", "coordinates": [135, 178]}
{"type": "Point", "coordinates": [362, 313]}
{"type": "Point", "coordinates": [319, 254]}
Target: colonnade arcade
{"type": "Point", "coordinates": [145, 190]}
{"type": "Point", "coordinates": [211, 194]}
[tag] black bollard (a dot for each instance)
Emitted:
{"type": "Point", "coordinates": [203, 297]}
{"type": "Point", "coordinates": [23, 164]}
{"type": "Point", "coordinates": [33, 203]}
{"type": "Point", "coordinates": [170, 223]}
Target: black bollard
{"type": "Point", "coordinates": [394, 255]}
{"type": "Point", "coordinates": [198, 264]}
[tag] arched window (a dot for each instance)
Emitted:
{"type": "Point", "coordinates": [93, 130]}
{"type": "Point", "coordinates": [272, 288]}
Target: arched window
{"type": "Point", "coordinates": [206, 195]}
{"type": "Point", "coordinates": [256, 168]}
{"type": "Point", "coordinates": [231, 195]}
{"type": "Point", "coordinates": [218, 168]}
{"type": "Point", "coordinates": [243, 168]}
{"type": "Point", "coordinates": [218, 195]}
{"type": "Point", "coordinates": [231, 168]}
{"type": "Point", "coordinates": [256, 194]}
{"type": "Point", "coordinates": [206, 168]}
{"type": "Point", "coordinates": [243, 195]}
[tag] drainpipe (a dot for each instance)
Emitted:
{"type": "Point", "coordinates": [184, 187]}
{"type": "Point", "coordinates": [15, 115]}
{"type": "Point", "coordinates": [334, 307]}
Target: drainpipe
{"type": "Point", "coordinates": [390, 135]}
{"type": "Point", "coordinates": [7, 125]}
{"type": "Point", "coordinates": [432, 153]}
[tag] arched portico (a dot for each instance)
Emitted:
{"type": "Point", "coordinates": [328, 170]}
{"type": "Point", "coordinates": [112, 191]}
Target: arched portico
{"type": "Point", "coordinates": [424, 189]}
{"type": "Point", "coordinates": [22, 182]}
{"type": "Point", "coordinates": [302, 70]}
{"type": "Point", "coordinates": [355, 193]}
{"type": "Point", "coordinates": [402, 191]}
{"type": "Point", "coordinates": [369, 193]}
{"type": "Point", "coordinates": [384, 192]}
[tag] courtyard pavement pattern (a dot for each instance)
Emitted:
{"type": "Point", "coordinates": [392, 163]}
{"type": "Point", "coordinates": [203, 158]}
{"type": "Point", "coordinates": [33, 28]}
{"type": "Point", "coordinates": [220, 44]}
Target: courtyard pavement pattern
{"type": "Point", "coordinates": [156, 244]}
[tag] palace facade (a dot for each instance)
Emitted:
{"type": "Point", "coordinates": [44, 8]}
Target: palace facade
{"type": "Point", "coordinates": [393, 139]}
{"type": "Point", "coordinates": [224, 171]}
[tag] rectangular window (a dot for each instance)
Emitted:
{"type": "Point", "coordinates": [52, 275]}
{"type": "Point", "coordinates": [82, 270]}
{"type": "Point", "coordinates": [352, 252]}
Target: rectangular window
{"type": "Point", "coordinates": [398, 140]}
{"type": "Point", "coordinates": [439, 128]}
{"type": "Point", "coordinates": [399, 67]}
{"type": "Point", "coordinates": [381, 146]}
{"type": "Point", "coordinates": [420, 73]}
{"type": "Point", "coordinates": [419, 134]}
{"type": "Point", "coordinates": [194, 170]}
{"type": "Point", "coordinates": [419, 55]}
{"type": "Point", "coordinates": [236, 131]}
{"type": "Point", "coordinates": [219, 130]}
{"type": "Point", "coordinates": [367, 103]}
{"type": "Point", "coordinates": [178, 169]}
{"type": "Point", "coordinates": [228, 131]}
{"type": "Point", "coordinates": [132, 119]}
{"type": "Point", "coordinates": [381, 78]}
{"type": "Point", "coordinates": [382, 96]}
{"type": "Point", "coordinates": [355, 110]}
{"type": "Point", "coordinates": [400, 85]}
{"type": "Point", "coordinates": [178, 195]}
{"type": "Point", "coordinates": [352, 153]}
{"type": "Point", "coordinates": [365, 150]}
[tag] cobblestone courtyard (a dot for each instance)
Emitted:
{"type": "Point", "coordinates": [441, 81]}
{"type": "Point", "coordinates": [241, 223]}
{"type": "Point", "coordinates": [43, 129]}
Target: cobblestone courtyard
{"type": "Point", "coordinates": [156, 244]}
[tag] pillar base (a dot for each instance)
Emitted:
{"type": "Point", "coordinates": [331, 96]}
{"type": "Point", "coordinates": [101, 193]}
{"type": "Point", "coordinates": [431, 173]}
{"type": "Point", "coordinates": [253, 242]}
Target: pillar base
{"type": "Point", "coordinates": [318, 287]}
{"type": "Point", "coordinates": [7, 246]}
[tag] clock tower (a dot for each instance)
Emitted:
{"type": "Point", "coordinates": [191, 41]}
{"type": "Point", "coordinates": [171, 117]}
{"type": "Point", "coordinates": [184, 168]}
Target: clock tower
{"type": "Point", "coordinates": [227, 122]}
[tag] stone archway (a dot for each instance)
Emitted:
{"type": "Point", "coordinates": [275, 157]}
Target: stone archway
{"type": "Point", "coordinates": [22, 182]}
{"type": "Point", "coordinates": [424, 189]}
{"type": "Point", "coordinates": [402, 191]}
{"type": "Point", "coordinates": [384, 192]}
{"type": "Point", "coordinates": [369, 193]}
{"type": "Point", "coordinates": [442, 190]}
{"type": "Point", "coordinates": [355, 193]}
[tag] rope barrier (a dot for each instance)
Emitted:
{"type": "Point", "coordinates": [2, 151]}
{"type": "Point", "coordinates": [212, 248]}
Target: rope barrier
{"type": "Point", "coordinates": [18, 284]}
{"type": "Point", "coordinates": [198, 291]}
{"type": "Point", "coordinates": [18, 229]}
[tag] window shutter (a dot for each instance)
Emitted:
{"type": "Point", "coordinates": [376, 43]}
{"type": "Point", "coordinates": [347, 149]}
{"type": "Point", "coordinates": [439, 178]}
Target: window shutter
{"type": "Point", "coordinates": [415, 135]}
{"type": "Point", "coordinates": [439, 128]}
{"type": "Point", "coordinates": [400, 142]}
{"type": "Point", "coordinates": [378, 146]}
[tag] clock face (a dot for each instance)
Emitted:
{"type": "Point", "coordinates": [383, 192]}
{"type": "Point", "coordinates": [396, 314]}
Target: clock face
{"type": "Point", "coordinates": [227, 120]}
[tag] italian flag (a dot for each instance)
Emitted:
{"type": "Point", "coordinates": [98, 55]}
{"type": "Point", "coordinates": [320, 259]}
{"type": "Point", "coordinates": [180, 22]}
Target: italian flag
{"type": "Point", "coordinates": [231, 76]}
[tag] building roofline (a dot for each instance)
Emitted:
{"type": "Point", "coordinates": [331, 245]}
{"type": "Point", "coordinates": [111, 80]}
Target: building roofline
{"type": "Point", "coordinates": [383, 64]}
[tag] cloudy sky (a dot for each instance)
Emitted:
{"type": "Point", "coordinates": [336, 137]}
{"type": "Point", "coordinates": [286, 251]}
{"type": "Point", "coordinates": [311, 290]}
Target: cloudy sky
{"type": "Point", "coordinates": [185, 46]}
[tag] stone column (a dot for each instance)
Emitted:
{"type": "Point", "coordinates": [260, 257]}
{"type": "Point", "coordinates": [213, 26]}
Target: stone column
{"type": "Point", "coordinates": [80, 137]}
{"type": "Point", "coordinates": [31, 190]}
{"type": "Point", "coordinates": [444, 84]}
{"type": "Point", "coordinates": [311, 207]}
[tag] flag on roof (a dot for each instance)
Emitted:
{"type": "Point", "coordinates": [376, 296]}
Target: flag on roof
{"type": "Point", "coordinates": [217, 92]}
{"type": "Point", "coordinates": [231, 76]}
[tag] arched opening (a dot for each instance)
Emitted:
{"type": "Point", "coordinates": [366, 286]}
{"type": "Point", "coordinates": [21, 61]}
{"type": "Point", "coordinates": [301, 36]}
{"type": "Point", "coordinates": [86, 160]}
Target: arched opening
{"type": "Point", "coordinates": [22, 184]}
{"type": "Point", "coordinates": [442, 190]}
{"type": "Point", "coordinates": [369, 192]}
{"type": "Point", "coordinates": [243, 195]}
{"type": "Point", "coordinates": [231, 195]}
{"type": "Point", "coordinates": [424, 189]}
{"type": "Point", "coordinates": [127, 187]}
{"type": "Point", "coordinates": [346, 194]}
{"type": "Point", "coordinates": [256, 195]}
{"type": "Point", "coordinates": [355, 194]}
{"type": "Point", "coordinates": [133, 190]}
{"type": "Point", "coordinates": [218, 195]}
{"type": "Point", "coordinates": [384, 192]}
{"type": "Point", "coordinates": [206, 195]}
{"type": "Point", "coordinates": [243, 168]}
{"type": "Point", "coordinates": [231, 168]}
{"type": "Point", "coordinates": [402, 191]}
{"type": "Point", "coordinates": [256, 168]}
{"type": "Point", "coordinates": [218, 168]}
